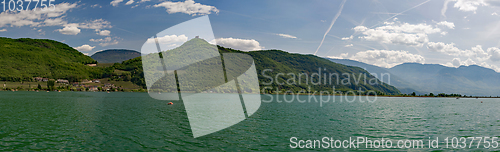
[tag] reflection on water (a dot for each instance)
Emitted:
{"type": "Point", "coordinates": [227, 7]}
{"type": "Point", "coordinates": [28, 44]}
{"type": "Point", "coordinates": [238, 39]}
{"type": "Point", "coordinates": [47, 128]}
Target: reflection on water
{"type": "Point", "coordinates": [134, 121]}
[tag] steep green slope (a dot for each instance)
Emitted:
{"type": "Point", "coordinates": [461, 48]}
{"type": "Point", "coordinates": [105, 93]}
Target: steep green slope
{"type": "Point", "coordinates": [24, 58]}
{"type": "Point", "coordinates": [282, 62]}
{"type": "Point", "coordinates": [115, 55]}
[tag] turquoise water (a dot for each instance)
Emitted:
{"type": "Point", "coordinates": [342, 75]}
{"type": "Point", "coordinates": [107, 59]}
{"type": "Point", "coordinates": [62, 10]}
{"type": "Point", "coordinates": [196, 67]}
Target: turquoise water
{"type": "Point", "coordinates": [119, 121]}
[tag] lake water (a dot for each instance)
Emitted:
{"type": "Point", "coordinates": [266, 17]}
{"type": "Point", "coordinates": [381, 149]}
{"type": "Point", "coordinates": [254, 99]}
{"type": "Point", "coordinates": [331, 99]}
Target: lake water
{"type": "Point", "coordinates": [120, 121]}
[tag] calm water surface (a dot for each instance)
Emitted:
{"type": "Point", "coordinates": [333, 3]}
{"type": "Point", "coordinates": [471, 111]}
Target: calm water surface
{"type": "Point", "coordinates": [120, 121]}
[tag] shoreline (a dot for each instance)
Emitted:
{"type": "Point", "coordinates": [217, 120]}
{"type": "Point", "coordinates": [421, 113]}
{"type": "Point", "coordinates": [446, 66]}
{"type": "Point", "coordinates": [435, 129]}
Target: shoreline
{"type": "Point", "coordinates": [145, 91]}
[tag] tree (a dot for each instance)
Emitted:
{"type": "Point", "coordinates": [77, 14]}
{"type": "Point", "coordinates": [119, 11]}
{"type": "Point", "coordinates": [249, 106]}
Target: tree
{"type": "Point", "coordinates": [50, 85]}
{"type": "Point", "coordinates": [431, 94]}
{"type": "Point", "coordinates": [39, 87]}
{"type": "Point", "coordinates": [413, 94]}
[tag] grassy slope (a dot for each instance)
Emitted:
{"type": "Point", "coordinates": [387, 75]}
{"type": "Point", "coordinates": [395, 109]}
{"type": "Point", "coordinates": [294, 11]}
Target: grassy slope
{"type": "Point", "coordinates": [22, 59]}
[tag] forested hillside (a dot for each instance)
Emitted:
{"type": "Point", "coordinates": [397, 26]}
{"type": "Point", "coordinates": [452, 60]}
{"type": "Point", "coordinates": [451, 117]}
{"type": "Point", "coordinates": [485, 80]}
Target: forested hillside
{"type": "Point", "coordinates": [283, 62]}
{"type": "Point", "coordinates": [24, 58]}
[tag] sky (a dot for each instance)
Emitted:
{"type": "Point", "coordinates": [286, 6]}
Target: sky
{"type": "Point", "coordinates": [384, 33]}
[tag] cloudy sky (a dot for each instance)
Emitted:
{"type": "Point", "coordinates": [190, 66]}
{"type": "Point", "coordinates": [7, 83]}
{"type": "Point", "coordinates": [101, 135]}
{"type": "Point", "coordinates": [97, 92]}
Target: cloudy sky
{"type": "Point", "coordinates": [380, 32]}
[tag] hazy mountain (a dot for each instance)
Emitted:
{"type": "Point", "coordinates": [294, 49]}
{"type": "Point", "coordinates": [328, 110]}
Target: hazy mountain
{"type": "Point", "coordinates": [435, 78]}
{"type": "Point", "coordinates": [383, 74]}
{"type": "Point", "coordinates": [115, 55]}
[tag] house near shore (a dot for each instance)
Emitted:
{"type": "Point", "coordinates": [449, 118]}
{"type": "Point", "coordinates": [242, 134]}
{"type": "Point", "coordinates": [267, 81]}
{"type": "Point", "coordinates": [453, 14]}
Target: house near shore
{"type": "Point", "coordinates": [96, 81]}
{"type": "Point", "coordinates": [109, 85]}
{"type": "Point", "coordinates": [93, 88]}
{"type": "Point", "coordinates": [86, 81]}
{"type": "Point", "coordinates": [41, 79]}
{"type": "Point", "coordinates": [62, 81]}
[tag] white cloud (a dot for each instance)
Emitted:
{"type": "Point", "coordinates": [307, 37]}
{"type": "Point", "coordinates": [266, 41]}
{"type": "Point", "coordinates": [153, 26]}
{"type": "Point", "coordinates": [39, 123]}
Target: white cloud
{"type": "Point", "coordinates": [169, 39]}
{"type": "Point", "coordinates": [495, 53]}
{"type": "Point", "coordinates": [96, 5]}
{"type": "Point", "coordinates": [3, 30]}
{"type": "Point", "coordinates": [341, 56]}
{"type": "Point", "coordinates": [116, 2]}
{"type": "Point", "coordinates": [456, 62]}
{"type": "Point", "coordinates": [348, 38]}
{"type": "Point", "coordinates": [469, 5]}
{"type": "Point", "coordinates": [142, 1]}
{"type": "Point", "coordinates": [360, 28]}
{"type": "Point", "coordinates": [239, 44]}
{"type": "Point", "coordinates": [445, 7]}
{"type": "Point", "coordinates": [468, 62]}
{"type": "Point", "coordinates": [387, 58]}
{"type": "Point", "coordinates": [84, 48]}
{"type": "Point", "coordinates": [494, 67]}
{"type": "Point", "coordinates": [50, 18]}
{"type": "Point", "coordinates": [95, 24]}
{"type": "Point", "coordinates": [449, 49]}
{"type": "Point", "coordinates": [449, 25]}
{"type": "Point", "coordinates": [54, 22]}
{"type": "Point", "coordinates": [287, 36]}
{"type": "Point", "coordinates": [187, 7]}
{"type": "Point", "coordinates": [399, 33]}
{"type": "Point", "coordinates": [129, 2]}
{"type": "Point", "coordinates": [35, 18]}
{"type": "Point", "coordinates": [104, 33]}
{"type": "Point", "coordinates": [475, 52]}
{"type": "Point", "coordinates": [106, 41]}
{"type": "Point", "coordinates": [348, 45]}
{"type": "Point", "coordinates": [494, 14]}
{"type": "Point", "coordinates": [69, 30]}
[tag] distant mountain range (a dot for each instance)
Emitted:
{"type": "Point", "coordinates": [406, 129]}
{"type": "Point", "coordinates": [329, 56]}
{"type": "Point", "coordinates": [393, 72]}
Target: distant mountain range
{"type": "Point", "coordinates": [115, 55]}
{"type": "Point", "coordinates": [22, 59]}
{"type": "Point", "coordinates": [427, 78]}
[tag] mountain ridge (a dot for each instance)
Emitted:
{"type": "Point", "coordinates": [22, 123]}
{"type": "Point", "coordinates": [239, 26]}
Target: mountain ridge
{"type": "Point", "coordinates": [435, 78]}
{"type": "Point", "coordinates": [280, 62]}
{"type": "Point", "coordinates": [115, 55]}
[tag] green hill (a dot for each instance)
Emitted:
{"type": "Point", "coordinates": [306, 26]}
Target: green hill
{"type": "Point", "coordinates": [115, 55]}
{"type": "Point", "coordinates": [24, 58]}
{"type": "Point", "coordinates": [281, 62]}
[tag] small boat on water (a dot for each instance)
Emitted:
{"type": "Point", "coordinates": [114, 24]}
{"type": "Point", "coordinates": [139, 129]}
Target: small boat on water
{"type": "Point", "coordinates": [170, 103]}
